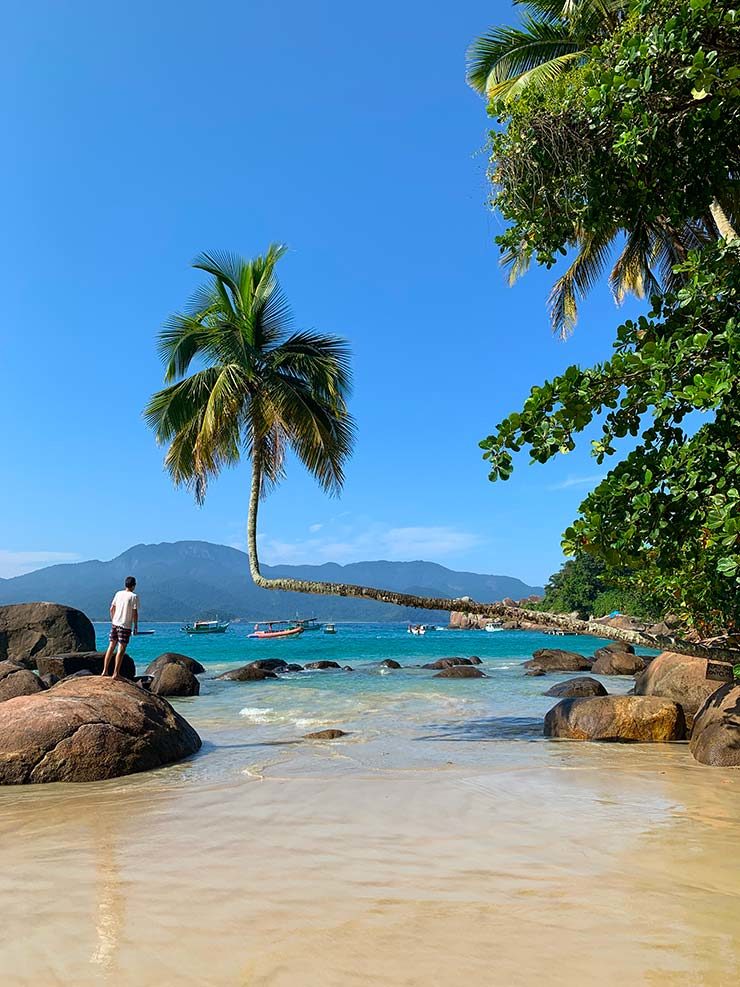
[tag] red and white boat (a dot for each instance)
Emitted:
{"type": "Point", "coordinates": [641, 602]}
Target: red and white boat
{"type": "Point", "coordinates": [270, 632]}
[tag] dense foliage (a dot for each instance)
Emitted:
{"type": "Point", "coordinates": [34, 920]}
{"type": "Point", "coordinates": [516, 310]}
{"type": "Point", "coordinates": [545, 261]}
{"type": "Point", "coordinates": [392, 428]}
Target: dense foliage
{"type": "Point", "coordinates": [586, 586]}
{"type": "Point", "coordinates": [643, 140]}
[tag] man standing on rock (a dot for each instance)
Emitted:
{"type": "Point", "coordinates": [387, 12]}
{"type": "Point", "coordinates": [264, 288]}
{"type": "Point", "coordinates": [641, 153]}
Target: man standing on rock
{"type": "Point", "coordinates": [124, 615]}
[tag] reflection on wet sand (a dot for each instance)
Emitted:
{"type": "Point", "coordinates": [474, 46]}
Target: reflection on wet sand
{"type": "Point", "coordinates": [111, 902]}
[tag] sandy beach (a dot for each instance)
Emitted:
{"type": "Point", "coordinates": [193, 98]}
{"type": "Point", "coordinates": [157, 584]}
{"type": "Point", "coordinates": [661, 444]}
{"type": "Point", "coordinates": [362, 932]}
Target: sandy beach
{"type": "Point", "coordinates": [441, 841]}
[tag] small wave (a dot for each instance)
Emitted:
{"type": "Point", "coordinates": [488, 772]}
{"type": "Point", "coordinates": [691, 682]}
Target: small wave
{"type": "Point", "coordinates": [257, 714]}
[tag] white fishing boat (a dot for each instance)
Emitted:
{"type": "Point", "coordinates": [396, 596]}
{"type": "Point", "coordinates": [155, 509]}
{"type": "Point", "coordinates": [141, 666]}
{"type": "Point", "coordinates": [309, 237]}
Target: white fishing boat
{"type": "Point", "coordinates": [492, 628]}
{"type": "Point", "coordinates": [330, 629]}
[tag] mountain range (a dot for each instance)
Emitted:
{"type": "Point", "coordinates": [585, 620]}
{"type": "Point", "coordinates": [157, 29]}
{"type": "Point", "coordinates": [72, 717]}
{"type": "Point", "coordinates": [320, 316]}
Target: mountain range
{"type": "Point", "coordinates": [187, 580]}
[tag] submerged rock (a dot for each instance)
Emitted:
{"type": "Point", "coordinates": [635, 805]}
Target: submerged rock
{"type": "Point", "coordinates": [535, 672]}
{"type": "Point", "coordinates": [447, 663]}
{"type": "Point", "coordinates": [172, 657]}
{"type": "Point", "coordinates": [617, 662]}
{"type": "Point", "coordinates": [681, 678]}
{"type": "Point", "coordinates": [390, 663]}
{"type": "Point", "coordinates": [88, 729]}
{"type": "Point", "coordinates": [269, 664]}
{"type": "Point", "coordinates": [174, 679]}
{"type": "Point", "coordinates": [558, 660]}
{"type": "Point", "coordinates": [292, 667]}
{"type": "Point", "coordinates": [715, 739]}
{"type": "Point", "coordinates": [323, 664]}
{"type": "Point", "coordinates": [16, 680]}
{"type": "Point", "coordinates": [461, 672]}
{"type": "Point", "coordinates": [584, 685]}
{"type": "Point", "coordinates": [646, 719]}
{"type": "Point", "coordinates": [475, 660]}
{"type": "Point", "coordinates": [247, 673]}
{"type": "Point", "coordinates": [89, 661]}
{"type": "Point", "coordinates": [325, 735]}
{"type": "Point", "coordinates": [29, 631]}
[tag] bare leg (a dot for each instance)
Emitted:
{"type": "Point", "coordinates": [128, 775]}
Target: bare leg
{"type": "Point", "coordinates": [119, 661]}
{"type": "Point", "coordinates": [108, 656]}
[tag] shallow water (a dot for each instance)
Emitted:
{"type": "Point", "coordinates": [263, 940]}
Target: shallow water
{"type": "Point", "coordinates": [443, 839]}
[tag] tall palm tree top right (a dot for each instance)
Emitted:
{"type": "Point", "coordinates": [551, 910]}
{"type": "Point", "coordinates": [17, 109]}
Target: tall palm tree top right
{"type": "Point", "coordinates": [554, 36]}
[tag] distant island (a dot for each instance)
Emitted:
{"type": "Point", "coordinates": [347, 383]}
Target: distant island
{"type": "Point", "coordinates": [189, 579]}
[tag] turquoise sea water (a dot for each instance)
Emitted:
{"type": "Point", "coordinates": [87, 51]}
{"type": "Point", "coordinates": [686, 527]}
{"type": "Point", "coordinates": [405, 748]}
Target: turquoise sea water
{"type": "Point", "coordinates": [405, 709]}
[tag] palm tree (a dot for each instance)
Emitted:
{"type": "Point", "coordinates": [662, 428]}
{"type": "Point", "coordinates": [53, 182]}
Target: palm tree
{"type": "Point", "coordinates": [554, 37]}
{"type": "Point", "coordinates": [261, 389]}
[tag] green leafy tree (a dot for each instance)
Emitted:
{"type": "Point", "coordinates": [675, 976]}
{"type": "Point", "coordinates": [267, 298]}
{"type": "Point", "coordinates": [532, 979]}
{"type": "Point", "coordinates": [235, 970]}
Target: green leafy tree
{"type": "Point", "coordinates": [585, 585]}
{"type": "Point", "coordinates": [646, 136]}
{"type": "Point", "coordinates": [547, 160]}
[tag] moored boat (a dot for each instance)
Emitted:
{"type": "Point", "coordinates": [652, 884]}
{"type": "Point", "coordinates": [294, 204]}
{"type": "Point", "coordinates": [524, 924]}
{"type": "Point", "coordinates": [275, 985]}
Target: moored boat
{"type": "Point", "coordinates": [270, 633]}
{"type": "Point", "coordinates": [206, 627]}
{"type": "Point", "coordinates": [306, 623]}
{"type": "Point", "coordinates": [330, 629]}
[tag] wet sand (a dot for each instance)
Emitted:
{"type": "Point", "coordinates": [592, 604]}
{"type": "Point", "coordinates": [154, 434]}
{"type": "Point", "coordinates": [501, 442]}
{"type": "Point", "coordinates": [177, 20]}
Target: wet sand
{"type": "Point", "coordinates": [361, 862]}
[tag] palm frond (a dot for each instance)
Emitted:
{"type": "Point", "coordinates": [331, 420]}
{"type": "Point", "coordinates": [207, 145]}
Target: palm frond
{"type": "Point", "coordinates": [505, 53]}
{"type": "Point", "coordinates": [588, 266]}
{"type": "Point", "coordinates": [538, 77]}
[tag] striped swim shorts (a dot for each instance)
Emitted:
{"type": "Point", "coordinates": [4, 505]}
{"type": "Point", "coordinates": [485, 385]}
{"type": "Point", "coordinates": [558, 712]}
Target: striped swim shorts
{"type": "Point", "coordinates": [120, 635]}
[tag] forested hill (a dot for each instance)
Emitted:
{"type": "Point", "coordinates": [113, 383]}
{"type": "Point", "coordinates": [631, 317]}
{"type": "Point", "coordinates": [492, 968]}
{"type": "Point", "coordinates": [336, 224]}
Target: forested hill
{"type": "Point", "coordinates": [191, 579]}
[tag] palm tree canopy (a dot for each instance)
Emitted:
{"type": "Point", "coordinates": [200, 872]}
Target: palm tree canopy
{"type": "Point", "coordinates": [258, 388]}
{"type": "Point", "coordinates": [553, 37]}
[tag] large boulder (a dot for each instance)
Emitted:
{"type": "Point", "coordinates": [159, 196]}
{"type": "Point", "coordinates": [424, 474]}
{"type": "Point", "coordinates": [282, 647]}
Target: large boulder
{"type": "Point", "coordinates": [170, 657]}
{"type": "Point", "coordinates": [89, 729]}
{"type": "Point", "coordinates": [584, 685]}
{"type": "Point", "coordinates": [681, 678]}
{"type": "Point", "coordinates": [447, 663]}
{"type": "Point", "coordinates": [174, 679]}
{"type": "Point", "coordinates": [617, 662]}
{"type": "Point", "coordinates": [247, 673]}
{"type": "Point", "coordinates": [646, 719]}
{"type": "Point", "coordinates": [461, 672]}
{"type": "Point", "coordinates": [558, 660]}
{"type": "Point", "coordinates": [88, 661]}
{"type": "Point", "coordinates": [16, 680]}
{"type": "Point", "coordinates": [323, 664]}
{"type": "Point", "coordinates": [613, 646]}
{"type": "Point", "coordinates": [715, 738]}
{"type": "Point", "coordinates": [29, 631]}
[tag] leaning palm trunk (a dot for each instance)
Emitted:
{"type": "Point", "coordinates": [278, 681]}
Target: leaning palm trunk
{"type": "Point", "coordinates": [465, 604]}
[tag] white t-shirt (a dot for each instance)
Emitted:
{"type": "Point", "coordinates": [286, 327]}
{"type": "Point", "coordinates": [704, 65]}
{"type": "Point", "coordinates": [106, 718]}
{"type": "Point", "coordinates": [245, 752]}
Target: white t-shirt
{"type": "Point", "coordinates": [124, 604]}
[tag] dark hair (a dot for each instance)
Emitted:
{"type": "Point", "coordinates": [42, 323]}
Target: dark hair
{"type": "Point", "coordinates": [130, 582]}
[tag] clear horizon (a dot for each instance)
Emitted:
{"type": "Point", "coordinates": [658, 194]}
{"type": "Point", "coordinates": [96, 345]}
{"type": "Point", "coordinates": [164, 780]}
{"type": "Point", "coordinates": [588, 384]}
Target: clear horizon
{"type": "Point", "coordinates": [126, 164]}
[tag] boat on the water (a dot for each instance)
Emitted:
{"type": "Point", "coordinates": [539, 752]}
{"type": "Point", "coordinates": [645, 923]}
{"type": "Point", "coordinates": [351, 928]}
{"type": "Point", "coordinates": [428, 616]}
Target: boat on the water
{"type": "Point", "coordinates": [493, 627]}
{"type": "Point", "coordinates": [330, 629]}
{"type": "Point", "coordinates": [206, 627]}
{"type": "Point", "coordinates": [306, 623]}
{"type": "Point", "coordinates": [139, 633]}
{"type": "Point", "coordinates": [417, 629]}
{"type": "Point", "coordinates": [265, 630]}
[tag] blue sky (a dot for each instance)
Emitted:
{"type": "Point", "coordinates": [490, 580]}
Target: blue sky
{"type": "Point", "coordinates": [138, 135]}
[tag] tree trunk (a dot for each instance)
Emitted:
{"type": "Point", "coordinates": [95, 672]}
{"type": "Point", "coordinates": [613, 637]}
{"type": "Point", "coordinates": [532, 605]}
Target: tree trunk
{"type": "Point", "coordinates": [722, 222]}
{"type": "Point", "coordinates": [463, 604]}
